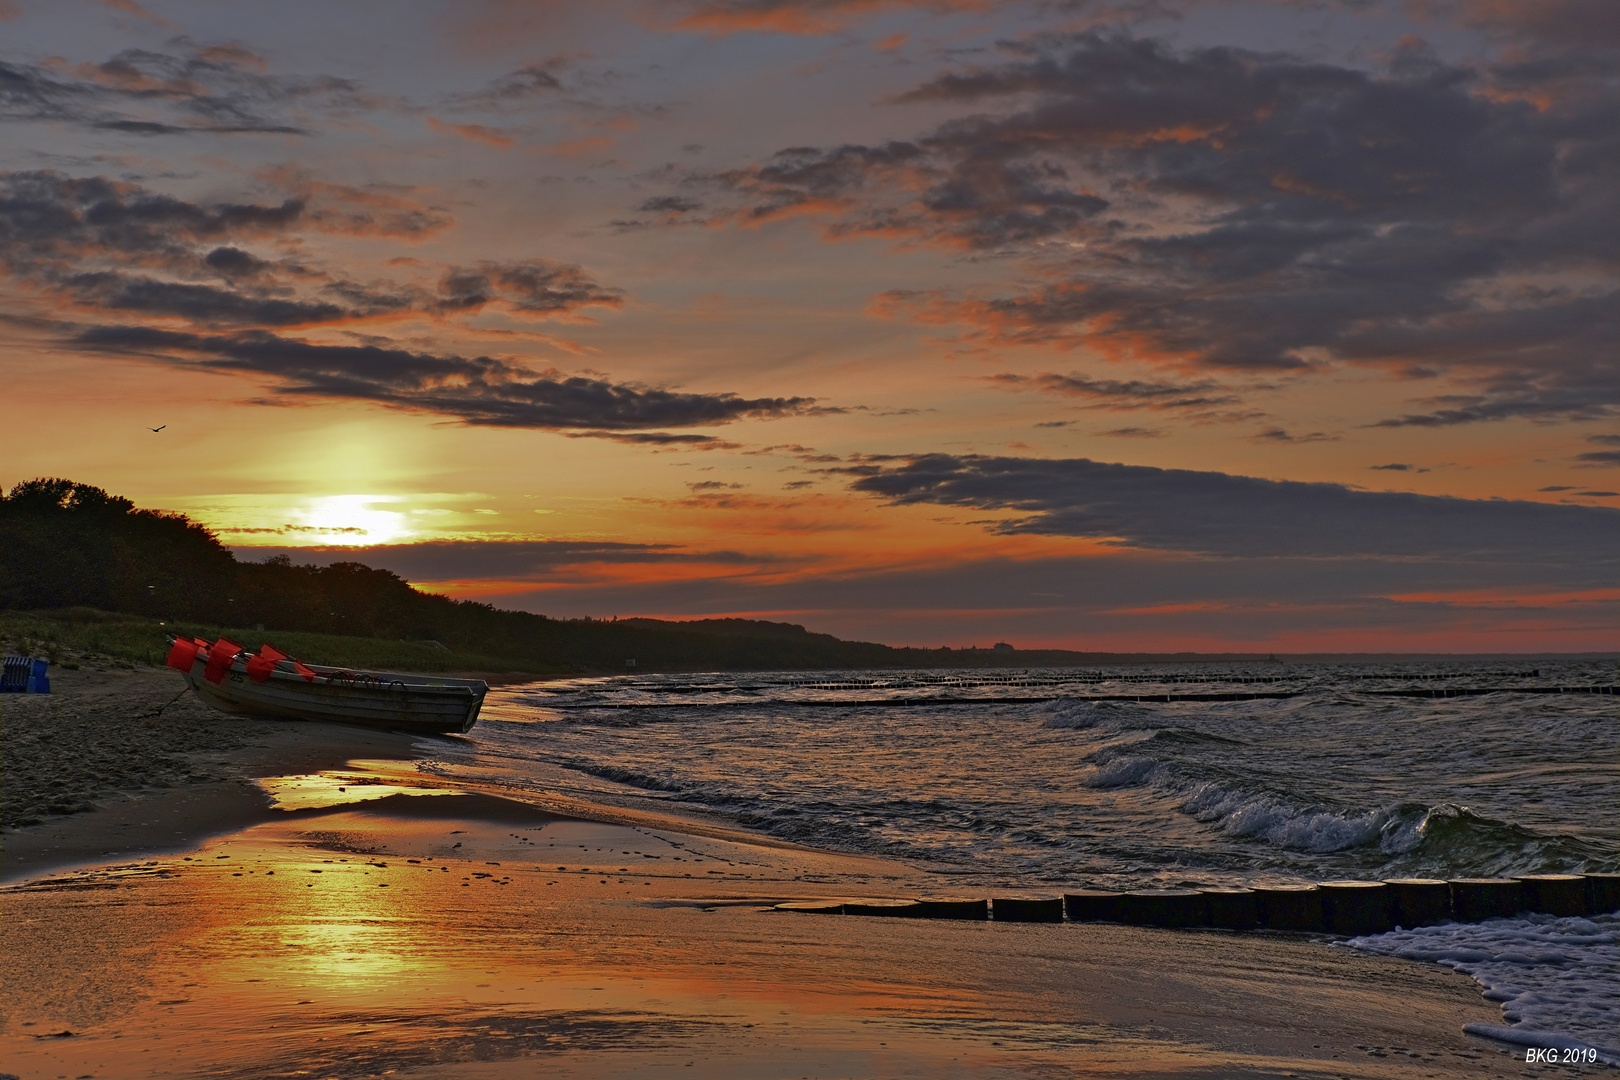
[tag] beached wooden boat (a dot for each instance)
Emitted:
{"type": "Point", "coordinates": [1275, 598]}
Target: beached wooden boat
{"type": "Point", "coordinates": [270, 683]}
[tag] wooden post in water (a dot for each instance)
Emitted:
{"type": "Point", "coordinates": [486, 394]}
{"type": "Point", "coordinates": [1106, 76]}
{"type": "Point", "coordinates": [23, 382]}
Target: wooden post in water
{"type": "Point", "coordinates": [1290, 907]}
{"type": "Point", "coordinates": [1478, 899]}
{"type": "Point", "coordinates": [1020, 909]}
{"type": "Point", "coordinates": [1231, 909]}
{"type": "Point", "coordinates": [1419, 901]}
{"type": "Point", "coordinates": [1092, 905]}
{"type": "Point", "coordinates": [1555, 894]}
{"type": "Point", "coordinates": [1354, 908]}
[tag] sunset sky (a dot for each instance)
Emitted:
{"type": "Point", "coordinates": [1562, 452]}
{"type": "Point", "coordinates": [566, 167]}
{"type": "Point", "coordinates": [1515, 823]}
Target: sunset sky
{"type": "Point", "coordinates": [1117, 325]}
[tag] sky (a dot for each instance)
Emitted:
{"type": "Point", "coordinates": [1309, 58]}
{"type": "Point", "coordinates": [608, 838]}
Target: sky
{"type": "Point", "coordinates": [1118, 325]}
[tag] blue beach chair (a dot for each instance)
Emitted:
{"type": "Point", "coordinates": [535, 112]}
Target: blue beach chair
{"type": "Point", "coordinates": [24, 675]}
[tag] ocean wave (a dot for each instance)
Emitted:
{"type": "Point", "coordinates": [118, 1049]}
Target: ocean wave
{"type": "Point", "coordinates": [1452, 839]}
{"type": "Point", "coordinates": [1124, 770]}
{"type": "Point", "coordinates": [1329, 784]}
{"type": "Point", "coordinates": [1443, 839]}
{"type": "Point", "coordinates": [630, 777]}
{"type": "Point", "coordinates": [1112, 715]}
{"type": "Point", "coordinates": [1280, 820]}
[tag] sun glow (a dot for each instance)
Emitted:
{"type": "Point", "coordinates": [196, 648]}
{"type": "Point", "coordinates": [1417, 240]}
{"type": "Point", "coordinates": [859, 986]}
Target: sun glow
{"type": "Point", "coordinates": [353, 520]}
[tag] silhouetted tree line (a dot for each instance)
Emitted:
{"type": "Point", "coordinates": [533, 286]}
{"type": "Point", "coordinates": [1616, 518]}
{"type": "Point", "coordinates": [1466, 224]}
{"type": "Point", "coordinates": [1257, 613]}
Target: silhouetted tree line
{"type": "Point", "coordinates": [65, 544]}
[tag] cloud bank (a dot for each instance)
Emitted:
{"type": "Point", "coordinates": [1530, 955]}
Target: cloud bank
{"type": "Point", "coordinates": [1228, 210]}
{"type": "Point", "coordinates": [1215, 514]}
{"type": "Point", "coordinates": [117, 249]}
{"type": "Point", "coordinates": [476, 390]}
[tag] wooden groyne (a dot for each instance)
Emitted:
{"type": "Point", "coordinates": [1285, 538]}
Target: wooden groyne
{"type": "Point", "coordinates": [903, 702]}
{"type": "Point", "coordinates": [1346, 908]}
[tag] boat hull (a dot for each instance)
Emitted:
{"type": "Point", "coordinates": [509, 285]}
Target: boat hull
{"type": "Point", "coordinates": [385, 700]}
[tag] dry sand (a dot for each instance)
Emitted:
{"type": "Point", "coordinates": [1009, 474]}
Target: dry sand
{"type": "Point", "coordinates": [125, 761]}
{"type": "Point", "coordinates": [444, 935]}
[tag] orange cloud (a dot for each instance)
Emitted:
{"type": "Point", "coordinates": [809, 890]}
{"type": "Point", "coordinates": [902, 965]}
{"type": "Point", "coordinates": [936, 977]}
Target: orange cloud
{"type": "Point", "coordinates": [1508, 598]}
{"type": "Point", "coordinates": [473, 132]}
{"type": "Point", "coordinates": [803, 17]}
{"type": "Point", "coordinates": [806, 208]}
{"type": "Point", "coordinates": [130, 7]}
{"type": "Point", "coordinates": [573, 148]}
{"type": "Point", "coordinates": [346, 210]}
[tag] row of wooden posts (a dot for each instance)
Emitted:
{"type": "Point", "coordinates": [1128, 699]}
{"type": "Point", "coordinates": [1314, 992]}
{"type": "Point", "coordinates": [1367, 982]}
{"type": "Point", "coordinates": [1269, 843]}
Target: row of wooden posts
{"type": "Point", "coordinates": [1335, 907]}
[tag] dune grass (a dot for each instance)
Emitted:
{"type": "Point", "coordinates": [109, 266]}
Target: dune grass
{"type": "Point", "coordinates": [70, 637]}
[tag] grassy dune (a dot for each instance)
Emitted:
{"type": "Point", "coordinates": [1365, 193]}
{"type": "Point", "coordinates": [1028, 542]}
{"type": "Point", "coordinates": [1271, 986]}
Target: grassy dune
{"type": "Point", "coordinates": [72, 636]}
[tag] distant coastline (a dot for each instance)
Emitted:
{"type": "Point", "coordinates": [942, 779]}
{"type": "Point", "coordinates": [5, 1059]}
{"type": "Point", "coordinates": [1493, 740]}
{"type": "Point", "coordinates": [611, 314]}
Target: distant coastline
{"type": "Point", "coordinates": [85, 574]}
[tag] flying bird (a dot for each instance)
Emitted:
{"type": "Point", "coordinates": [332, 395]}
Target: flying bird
{"type": "Point", "coordinates": [160, 427]}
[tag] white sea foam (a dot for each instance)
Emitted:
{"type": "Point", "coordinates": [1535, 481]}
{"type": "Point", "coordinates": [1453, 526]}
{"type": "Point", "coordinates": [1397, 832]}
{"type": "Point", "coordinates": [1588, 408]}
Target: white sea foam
{"type": "Point", "coordinates": [1558, 979]}
{"type": "Point", "coordinates": [1247, 813]}
{"type": "Point", "coordinates": [1128, 770]}
{"type": "Point", "coordinates": [1242, 811]}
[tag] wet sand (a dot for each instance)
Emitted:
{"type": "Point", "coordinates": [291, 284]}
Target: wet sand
{"type": "Point", "coordinates": [446, 935]}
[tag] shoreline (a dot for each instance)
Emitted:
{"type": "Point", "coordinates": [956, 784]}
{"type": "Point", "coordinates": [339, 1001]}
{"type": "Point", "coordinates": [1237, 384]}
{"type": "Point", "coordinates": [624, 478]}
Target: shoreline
{"type": "Point", "coordinates": [149, 768]}
{"type": "Point", "coordinates": [210, 788]}
{"type": "Point", "coordinates": [202, 928]}
{"type": "Point", "coordinates": [463, 935]}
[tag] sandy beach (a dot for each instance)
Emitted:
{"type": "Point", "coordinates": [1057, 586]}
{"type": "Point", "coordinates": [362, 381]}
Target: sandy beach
{"type": "Point", "coordinates": [186, 927]}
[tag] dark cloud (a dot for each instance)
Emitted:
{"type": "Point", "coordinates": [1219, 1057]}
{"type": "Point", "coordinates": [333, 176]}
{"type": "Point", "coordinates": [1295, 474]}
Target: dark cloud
{"type": "Point", "coordinates": [1124, 394]}
{"type": "Point", "coordinates": [120, 247]}
{"type": "Point", "coordinates": [515, 89]}
{"type": "Point", "coordinates": [533, 287]}
{"type": "Point", "coordinates": [203, 304]}
{"type": "Point", "coordinates": [1144, 598]}
{"type": "Point", "coordinates": [221, 90]}
{"type": "Point", "coordinates": [1550, 24]}
{"type": "Point", "coordinates": [976, 200]}
{"type": "Point", "coordinates": [1133, 433]}
{"type": "Point", "coordinates": [235, 263]}
{"type": "Point", "coordinates": [1398, 467]}
{"type": "Point", "coordinates": [50, 222]}
{"type": "Point", "coordinates": [1279, 435]}
{"type": "Point", "coordinates": [1216, 514]}
{"type": "Point", "coordinates": [517, 560]}
{"type": "Point", "coordinates": [670, 210]}
{"type": "Point", "coordinates": [670, 204]}
{"type": "Point", "coordinates": [476, 390]}
{"type": "Point", "coordinates": [1247, 211]}
{"type": "Point", "coordinates": [1556, 487]}
{"type": "Point", "coordinates": [104, 244]}
{"type": "Point", "coordinates": [656, 438]}
{"type": "Point", "coordinates": [1602, 457]}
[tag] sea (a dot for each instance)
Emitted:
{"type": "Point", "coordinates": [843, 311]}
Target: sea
{"type": "Point", "coordinates": [1138, 777]}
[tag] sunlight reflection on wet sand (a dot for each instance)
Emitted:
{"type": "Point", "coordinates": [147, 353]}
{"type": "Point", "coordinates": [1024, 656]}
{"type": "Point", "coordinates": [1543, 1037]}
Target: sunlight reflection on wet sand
{"type": "Point", "coordinates": [397, 935]}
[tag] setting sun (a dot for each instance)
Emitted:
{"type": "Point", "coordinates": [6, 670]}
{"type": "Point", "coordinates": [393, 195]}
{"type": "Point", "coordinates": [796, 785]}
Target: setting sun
{"type": "Point", "coordinates": [352, 520]}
